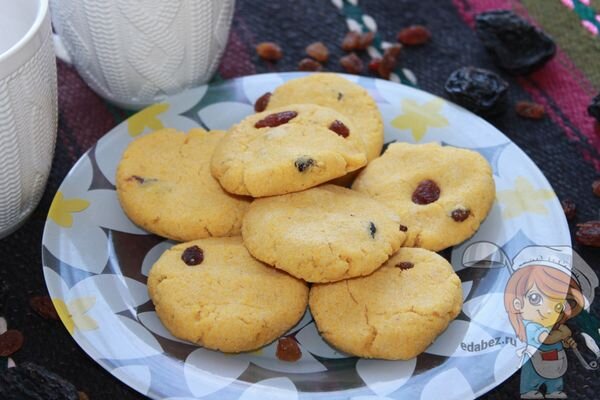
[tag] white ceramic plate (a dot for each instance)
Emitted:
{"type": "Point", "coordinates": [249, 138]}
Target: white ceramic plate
{"type": "Point", "coordinates": [96, 263]}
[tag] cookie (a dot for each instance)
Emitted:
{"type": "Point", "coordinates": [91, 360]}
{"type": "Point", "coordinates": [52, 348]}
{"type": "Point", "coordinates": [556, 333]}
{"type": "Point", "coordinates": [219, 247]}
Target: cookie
{"type": "Point", "coordinates": [165, 186]}
{"type": "Point", "coordinates": [394, 313]}
{"type": "Point", "coordinates": [323, 234]}
{"type": "Point", "coordinates": [213, 293]}
{"type": "Point", "coordinates": [441, 193]}
{"type": "Point", "coordinates": [287, 150]}
{"type": "Point", "coordinates": [338, 93]}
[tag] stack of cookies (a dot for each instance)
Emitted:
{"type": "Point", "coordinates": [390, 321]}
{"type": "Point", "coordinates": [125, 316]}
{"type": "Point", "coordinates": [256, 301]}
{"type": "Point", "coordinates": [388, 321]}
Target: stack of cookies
{"type": "Point", "coordinates": [269, 228]}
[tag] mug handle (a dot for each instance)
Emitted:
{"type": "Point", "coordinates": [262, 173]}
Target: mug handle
{"type": "Point", "coordinates": [60, 50]}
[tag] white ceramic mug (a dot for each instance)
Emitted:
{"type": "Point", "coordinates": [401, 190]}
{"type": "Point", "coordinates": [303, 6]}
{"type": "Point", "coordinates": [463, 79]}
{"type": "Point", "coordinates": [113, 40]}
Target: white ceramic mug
{"type": "Point", "coordinates": [136, 52]}
{"type": "Point", "coordinates": [28, 108]}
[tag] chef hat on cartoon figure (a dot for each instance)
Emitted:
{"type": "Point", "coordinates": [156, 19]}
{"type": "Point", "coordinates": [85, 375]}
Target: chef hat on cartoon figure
{"type": "Point", "coordinates": [563, 258]}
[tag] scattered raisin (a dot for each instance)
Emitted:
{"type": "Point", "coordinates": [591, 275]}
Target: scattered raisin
{"type": "Point", "coordinates": [262, 102]}
{"type": "Point", "coordinates": [569, 208]}
{"type": "Point", "coordinates": [340, 96]}
{"type": "Point", "coordinates": [304, 163]}
{"type": "Point", "coordinates": [403, 228]}
{"type": "Point", "coordinates": [273, 120]}
{"type": "Point", "coordinates": [352, 64]}
{"type": "Point", "coordinates": [427, 191]}
{"type": "Point", "coordinates": [365, 40]}
{"type": "Point", "coordinates": [527, 109]}
{"type": "Point", "coordinates": [83, 396]}
{"type": "Point", "coordinates": [414, 35]}
{"type": "Point", "coordinates": [389, 61]}
{"type": "Point", "coordinates": [31, 381]}
{"type": "Point", "coordinates": [288, 349]}
{"type": "Point", "coordinates": [588, 233]}
{"type": "Point", "coordinates": [139, 179]}
{"type": "Point", "coordinates": [372, 229]}
{"type": "Point", "coordinates": [374, 64]}
{"type": "Point", "coordinates": [44, 307]}
{"type": "Point", "coordinates": [594, 108]}
{"type": "Point", "coordinates": [405, 265]}
{"type": "Point", "coordinates": [10, 342]}
{"type": "Point", "coordinates": [351, 41]}
{"type": "Point", "coordinates": [479, 90]}
{"type": "Point", "coordinates": [269, 51]}
{"type": "Point", "coordinates": [596, 187]}
{"type": "Point", "coordinates": [308, 64]}
{"type": "Point", "coordinates": [193, 255]}
{"type": "Point", "coordinates": [339, 128]}
{"type": "Point", "coordinates": [318, 51]}
{"type": "Point", "coordinates": [460, 214]}
{"type": "Point", "coordinates": [516, 45]}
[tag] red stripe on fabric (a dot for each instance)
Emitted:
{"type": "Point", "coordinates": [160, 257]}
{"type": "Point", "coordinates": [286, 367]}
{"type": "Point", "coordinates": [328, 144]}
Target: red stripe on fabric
{"type": "Point", "coordinates": [83, 111]}
{"type": "Point", "coordinates": [236, 59]}
{"type": "Point", "coordinates": [560, 79]}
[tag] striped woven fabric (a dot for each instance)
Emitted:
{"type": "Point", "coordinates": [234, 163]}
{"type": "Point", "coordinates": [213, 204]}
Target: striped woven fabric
{"type": "Point", "coordinates": [565, 144]}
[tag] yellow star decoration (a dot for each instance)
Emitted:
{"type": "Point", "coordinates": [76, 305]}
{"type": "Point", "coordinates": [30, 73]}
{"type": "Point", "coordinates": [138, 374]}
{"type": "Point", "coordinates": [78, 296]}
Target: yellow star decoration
{"type": "Point", "coordinates": [73, 314]}
{"type": "Point", "coordinates": [523, 198]}
{"type": "Point", "coordinates": [61, 209]}
{"type": "Point", "coordinates": [418, 118]}
{"type": "Point", "coordinates": [148, 117]}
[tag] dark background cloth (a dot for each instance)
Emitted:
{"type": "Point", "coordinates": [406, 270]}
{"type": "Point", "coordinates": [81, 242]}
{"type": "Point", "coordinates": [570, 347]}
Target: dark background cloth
{"type": "Point", "coordinates": [84, 118]}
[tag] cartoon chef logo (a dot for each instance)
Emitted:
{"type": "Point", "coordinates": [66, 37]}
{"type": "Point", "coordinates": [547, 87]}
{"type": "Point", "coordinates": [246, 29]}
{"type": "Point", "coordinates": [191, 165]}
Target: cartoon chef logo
{"type": "Point", "coordinates": [548, 286]}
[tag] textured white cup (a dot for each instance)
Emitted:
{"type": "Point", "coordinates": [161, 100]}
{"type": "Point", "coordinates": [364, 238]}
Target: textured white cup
{"type": "Point", "coordinates": [136, 52]}
{"type": "Point", "coordinates": [28, 108]}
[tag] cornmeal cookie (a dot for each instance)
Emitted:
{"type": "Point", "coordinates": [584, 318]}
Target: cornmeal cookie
{"type": "Point", "coordinates": [213, 293]}
{"type": "Point", "coordinates": [165, 186]}
{"type": "Point", "coordinates": [394, 313]}
{"type": "Point", "coordinates": [338, 93]}
{"type": "Point", "coordinates": [440, 193]}
{"type": "Point", "coordinates": [287, 150]}
{"type": "Point", "coordinates": [323, 234]}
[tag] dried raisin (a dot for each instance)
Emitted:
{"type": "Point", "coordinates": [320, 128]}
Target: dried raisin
{"type": "Point", "coordinates": [516, 45]}
{"type": "Point", "coordinates": [365, 40]}
{"type": "Point", "coordinates": [588, 233]}
{"type": "Point", "coordinates": [340, 128]}
{"type": "Point", "coordinates": [374, 64]}
{"type": "Point", "coordinates": [269, 51]}
{"type": "Point", "coordinates": [304, 163]}
{"type": "Point", "coordinates": [527, 109]}
{"type": "Point", "coordinates": [389, 61]}
{"type": "Point", "coordinates": [414, 35]}
{"type": "Point", "coordinates": [404, 265]}
{"type": "Point", "coordinates": [308, 64]}
{"type": "Point", "coordinates": [351, 40]}
{"type": "Point", "coordinates": [427, 192]}
{"type": "Point", "coordinates": [479, 90]}
{"type": "Point", "coordinates": [193, 255]}
{"type": "Point", "coordinates": [460, 214]}
{"type": "Point", "coordinates": [570, 208]}
{"type": "Point", "coordinates": [318, 51]}
{"type": "Point", "coordinates": [262, 102]}
{"type": "Point", "coordinates": [288, 349]}
{"type": "Point", "coordinates": [352, 64]}
{"type": "Point", "coordinates": [10, 342]}
{"type": "Point", "coordinates": [403, 228]}
{"type": "Point", "coordinates": [44, 307]}
{"type": "Point", "coordinates": [273, 120]}
{"type": "Point", "coordinates": [372, 230]}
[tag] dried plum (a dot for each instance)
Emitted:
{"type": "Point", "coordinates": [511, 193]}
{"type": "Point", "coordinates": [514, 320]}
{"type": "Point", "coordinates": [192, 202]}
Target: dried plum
{"type": "Point", "coordinates": [516, 45]}
{"type": "Point", "coordinates": [479, 90]}
{"type": "Point", "coordinates": [594, 108]}
{"type": "Point", "coordinates": [29, 381]}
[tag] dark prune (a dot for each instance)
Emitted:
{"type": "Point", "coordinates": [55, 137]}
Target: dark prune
{"type": "Point", "coordinates": [262, 102]}
{"type": "Point", "coordinates": [404, 265]}
{"type": "Point", "coordinates": [516, 45]}
{"type": "Point", "coordinates": [426, 192]}
{"type": "Point", "coordinates": [273, 120]}
{"type": "Point", "coordinates": [479, 90]}
{"type": "Point", "coordinates": [304, 163]}
{"type": "Point", "coordinates": [192, 255]}
{"type": "Point", "coordinates": [340, 128]}
{"type": "Point", "coordinates": [33, 382]}
{"type": "Point", "coordinates": [594, 108]}
{"type": "Point", "coordinates": [372, 230]}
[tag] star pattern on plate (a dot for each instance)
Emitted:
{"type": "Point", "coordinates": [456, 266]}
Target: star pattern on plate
{"type": "Point", "coordinates": [147, 118]}
{"type": "Point", "coordinates": [524, 198]}
{"type": "Point", "coordinates": [418, 118]}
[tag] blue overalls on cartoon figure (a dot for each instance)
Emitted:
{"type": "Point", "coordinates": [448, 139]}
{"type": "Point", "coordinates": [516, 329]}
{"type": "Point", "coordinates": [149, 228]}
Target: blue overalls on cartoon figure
{"type": "Point", "coordinates": [546, 366]}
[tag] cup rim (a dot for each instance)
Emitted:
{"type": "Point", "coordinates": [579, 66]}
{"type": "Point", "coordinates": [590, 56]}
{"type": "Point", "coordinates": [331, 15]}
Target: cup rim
{"type": "Point", "coordinates": [33, 29]}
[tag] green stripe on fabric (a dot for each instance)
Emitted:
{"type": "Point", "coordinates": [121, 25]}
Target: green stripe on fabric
{"type": "Point", "coordinates": [565, 28]}
{"type": "Point", "coordinates": [586, 13]}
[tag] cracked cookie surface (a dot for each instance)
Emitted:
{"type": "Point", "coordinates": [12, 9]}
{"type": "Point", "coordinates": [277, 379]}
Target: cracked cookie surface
{"type": "Point", "coordinates": [441, 193]}
{"type": "Point", "coordinates": [228, 301]}
{"type": "Point", "coordinates": [323, 234]}
{"type": "Point", "coordinates": [394, 313]}
{"type": "Point", "coordinates": [286, 150]}
{"type": "Point", "coordinates": [165, 186]}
